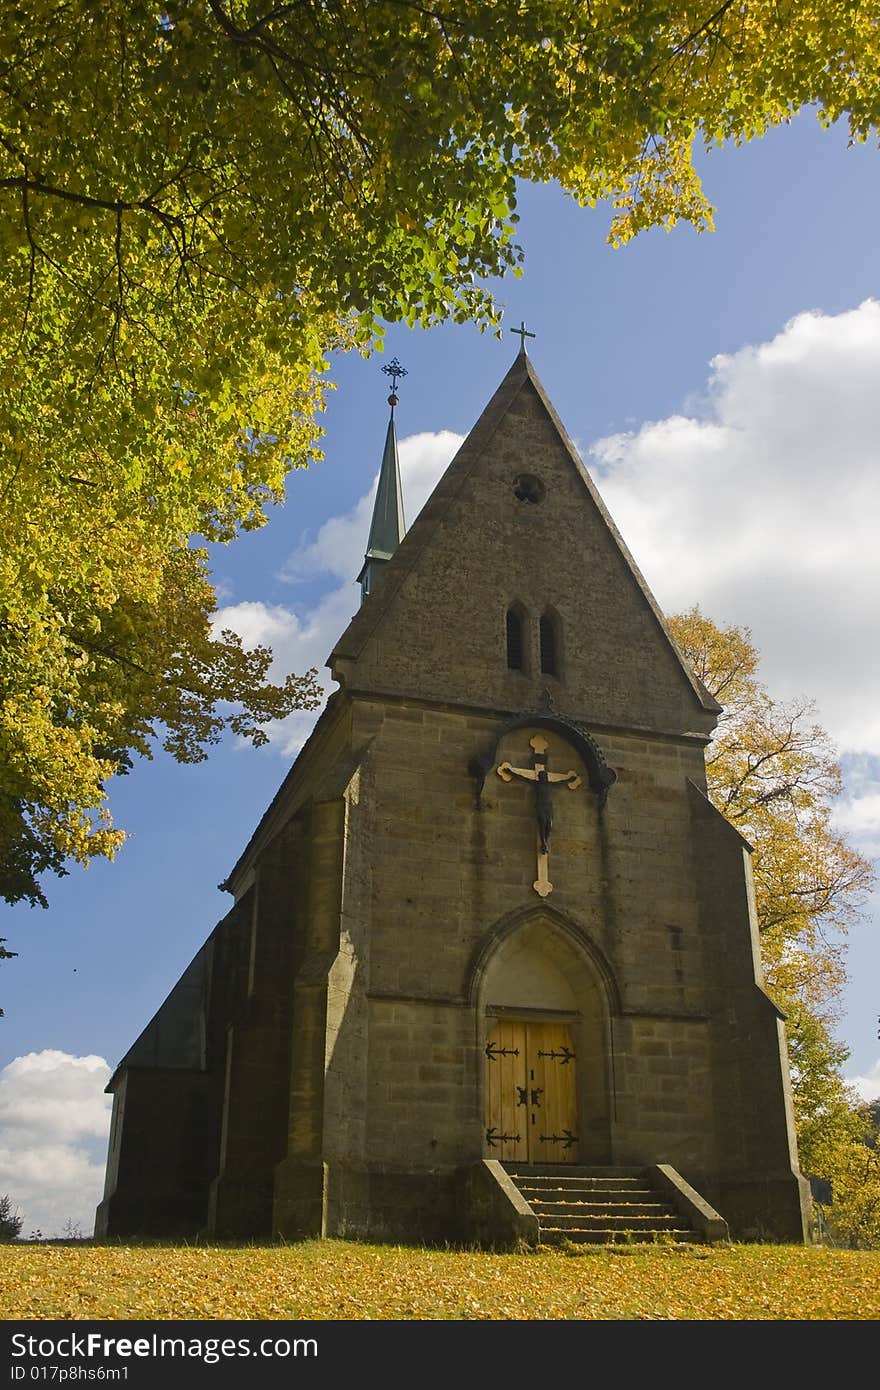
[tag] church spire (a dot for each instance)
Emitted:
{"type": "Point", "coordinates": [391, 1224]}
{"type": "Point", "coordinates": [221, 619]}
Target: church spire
{"type": "Point", "coordinates": [388, 526]}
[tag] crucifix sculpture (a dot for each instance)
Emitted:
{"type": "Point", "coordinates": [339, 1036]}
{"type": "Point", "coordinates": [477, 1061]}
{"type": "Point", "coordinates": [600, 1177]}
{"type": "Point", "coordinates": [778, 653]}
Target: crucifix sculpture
{"type": "Point", "coordinates": [543, 779]}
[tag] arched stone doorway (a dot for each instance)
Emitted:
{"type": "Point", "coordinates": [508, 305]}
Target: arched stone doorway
{"type": "Point", "coordinates": [543, 1014]}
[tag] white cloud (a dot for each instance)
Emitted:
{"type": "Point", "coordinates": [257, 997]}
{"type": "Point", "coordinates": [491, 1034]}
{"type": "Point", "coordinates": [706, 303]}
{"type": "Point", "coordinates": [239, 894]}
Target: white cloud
{"type": "Point", "coordinates": [762, 507]}
{"type": "Point", "coordinates": [859, 819]}
{"type": "Point", "coordinates": [424, 459]}
{"type": "Point", "coordinates": [856, 814]}
{"type": "Point", "coordinates": [337, 549]}
{"type": "Point", "coordinates": [297, 645]}
{"type": "Point", "coordinates": [868, 1086]}
{"type": "Point", "coordinates": [54, 1123]}
{"type": "Point", "coordinates": [262, 624]}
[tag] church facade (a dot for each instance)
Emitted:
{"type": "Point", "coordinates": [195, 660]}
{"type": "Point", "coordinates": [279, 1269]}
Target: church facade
{"type": "Point", "coordinates": [490, 920]}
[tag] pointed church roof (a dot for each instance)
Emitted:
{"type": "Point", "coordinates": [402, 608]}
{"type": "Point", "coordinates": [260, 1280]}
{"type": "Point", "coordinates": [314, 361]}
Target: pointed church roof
{"type": "Point", "coordinates": [387, 527]}
{"type": "Point", "coordinates": [440, 506]}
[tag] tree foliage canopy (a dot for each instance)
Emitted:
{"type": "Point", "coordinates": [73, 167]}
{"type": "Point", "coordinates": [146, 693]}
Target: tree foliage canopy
{"type": "Point", "coordinates": [773, 772]}
{"type": "Point", "coordinates": [200, 199]}
{"type": "Point", "coordinates": [10, 1220]}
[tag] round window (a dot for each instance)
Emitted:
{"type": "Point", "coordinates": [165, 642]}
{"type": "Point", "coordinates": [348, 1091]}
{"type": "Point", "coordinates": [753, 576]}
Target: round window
{"type": "Point", "coordinates": [528, 488]}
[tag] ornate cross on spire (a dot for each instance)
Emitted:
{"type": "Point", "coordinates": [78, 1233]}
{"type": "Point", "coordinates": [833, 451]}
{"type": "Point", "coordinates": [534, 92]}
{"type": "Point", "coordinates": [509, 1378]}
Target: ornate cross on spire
{"type": "Point", "coordinates": [523, 334]}
{"type": "Point", "coordinates": [395, 371]}
{"type": "Point", "coordinates": [543, 780]}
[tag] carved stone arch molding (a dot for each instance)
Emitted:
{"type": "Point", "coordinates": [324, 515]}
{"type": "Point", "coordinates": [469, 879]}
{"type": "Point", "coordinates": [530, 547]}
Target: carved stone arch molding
{"type": "Point", "coordinates": [558, 922]}
{"type": "Point", "coordinates": [601, 776]}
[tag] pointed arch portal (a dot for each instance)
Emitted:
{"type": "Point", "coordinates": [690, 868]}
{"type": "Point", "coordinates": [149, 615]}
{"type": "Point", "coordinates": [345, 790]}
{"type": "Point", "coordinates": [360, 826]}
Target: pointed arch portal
{"type": "Point", "coordinates": [543, 1015]}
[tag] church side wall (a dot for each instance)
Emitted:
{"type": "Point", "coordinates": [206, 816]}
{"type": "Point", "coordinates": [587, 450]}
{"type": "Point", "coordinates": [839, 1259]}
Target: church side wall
{"type": "Point", "coordinates": [162, 1153]}
{"type": "Point", "coordinates": [168, 1105]}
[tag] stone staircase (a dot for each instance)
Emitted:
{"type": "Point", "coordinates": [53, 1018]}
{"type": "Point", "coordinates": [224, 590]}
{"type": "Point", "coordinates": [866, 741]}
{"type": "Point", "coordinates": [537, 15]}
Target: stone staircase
{"type": "Point", "coordinates": [598, 1206]}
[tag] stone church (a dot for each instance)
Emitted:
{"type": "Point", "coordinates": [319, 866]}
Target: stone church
{"type": "Point", "coordinates": [492, 972]}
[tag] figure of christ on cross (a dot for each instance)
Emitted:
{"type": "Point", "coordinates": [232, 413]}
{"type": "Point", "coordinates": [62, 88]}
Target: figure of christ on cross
{"type": "Point", "coordinates": [543, 779]}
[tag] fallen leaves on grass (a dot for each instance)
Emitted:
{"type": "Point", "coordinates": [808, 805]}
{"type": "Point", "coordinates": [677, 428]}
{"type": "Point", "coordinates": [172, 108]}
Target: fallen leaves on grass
{"type": "Point", "coordinates": [344, 1280]}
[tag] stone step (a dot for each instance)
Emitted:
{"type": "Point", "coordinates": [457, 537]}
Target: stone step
{"type": "Point", "coordinates": [586, 1192]}
{"type": "Point", "coordinates": [590, 1199]}
{"type": "Point", "coordinates": [551, 1235]}
{"type": "Point", "coordinates": [602, 1199]}
{"type": "Point", "coordinates": [570, 1193]}
{"type": "Point", "coordinates": [582, 1179]}
{"type": "Point", "coordinates": [601, 1221]}
{"type": "Point", "coordinates": [597, 1205]}
{"type": "Point", "coordinates": [527, 1171]}
{"type": "Point", "coordinates": [551, 1209]}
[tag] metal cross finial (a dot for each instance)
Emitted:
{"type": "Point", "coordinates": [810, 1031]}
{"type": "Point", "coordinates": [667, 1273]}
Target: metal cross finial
{"type": "Point", "coordinates": [523, 334]}
{"type": "Point", "coordinates": [395, 371]}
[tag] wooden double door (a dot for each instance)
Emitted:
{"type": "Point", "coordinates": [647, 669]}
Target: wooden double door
{"type": "Point", "coordinates": [531, 1092]}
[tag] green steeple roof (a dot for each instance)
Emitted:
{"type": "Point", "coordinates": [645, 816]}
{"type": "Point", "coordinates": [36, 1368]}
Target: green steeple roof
{"type": "Point", "coordinates": [387, 527]}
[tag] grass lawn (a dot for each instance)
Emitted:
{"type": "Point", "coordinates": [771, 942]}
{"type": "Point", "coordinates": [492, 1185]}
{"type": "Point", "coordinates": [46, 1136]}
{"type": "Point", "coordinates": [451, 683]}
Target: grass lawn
{"type": "Point", "coordinates": [340, 1279]}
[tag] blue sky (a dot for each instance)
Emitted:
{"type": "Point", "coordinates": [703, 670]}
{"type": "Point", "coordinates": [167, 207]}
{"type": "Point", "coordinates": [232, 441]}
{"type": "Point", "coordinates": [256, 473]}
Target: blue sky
{"type": "Point", "coordinates": [723, 391]}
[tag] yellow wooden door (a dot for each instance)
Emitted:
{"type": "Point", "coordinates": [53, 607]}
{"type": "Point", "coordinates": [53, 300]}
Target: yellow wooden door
{"type": "Point", "coordinates": [531, 1093]}
{"type": "Point", "coordinates": [506, 1135]}
{"type": "Point", "coordinates": [552, 1082]}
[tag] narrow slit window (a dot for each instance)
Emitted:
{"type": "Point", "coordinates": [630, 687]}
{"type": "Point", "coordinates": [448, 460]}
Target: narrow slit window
{"type": "Point", "coordinates": [514, 640]}
{"type": "Point", "coordinates": [549, 654]}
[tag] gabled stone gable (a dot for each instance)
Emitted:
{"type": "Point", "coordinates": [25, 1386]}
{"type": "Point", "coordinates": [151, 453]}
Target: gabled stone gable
{"type": "Point", "coordinates": [435, 629]}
